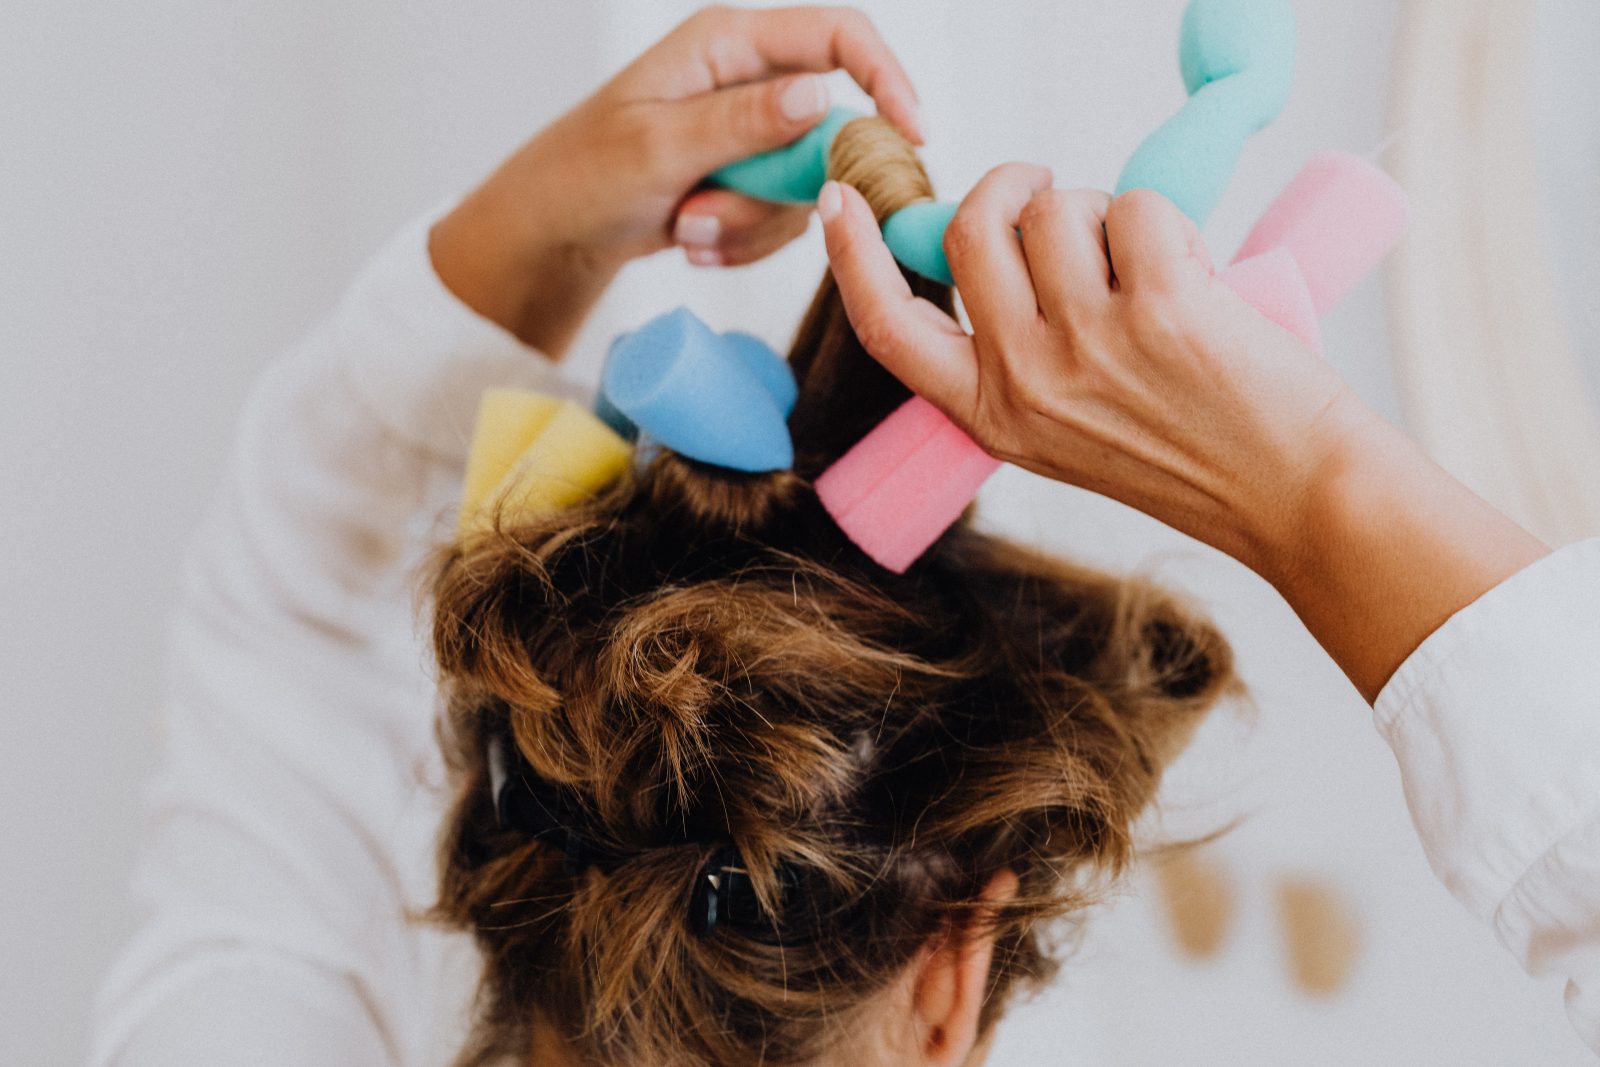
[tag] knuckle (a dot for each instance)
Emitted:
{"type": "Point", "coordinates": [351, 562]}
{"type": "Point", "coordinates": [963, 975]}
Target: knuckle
{"type": "Point", "coordinates": [877, 332]}
{"type": "Point", "coordinates": [1098, 200]}
{"type": "Point", "coordinates": [1022, 175]}
{"type": "Point", "coordinates": [1005, 174]}
{"type": "Point", "coordinates": [1140, 204]}
{"type": "Point", "coordinates": [962, 236]}
{"type": "Point", "coordinates": [1047, 207]}
{"type": "Point", "coordinates": [1089, 203]}
{"type": "Point", "coordinates": [714, 15]}
{"type": "Point", "coordinates": [850, 19]}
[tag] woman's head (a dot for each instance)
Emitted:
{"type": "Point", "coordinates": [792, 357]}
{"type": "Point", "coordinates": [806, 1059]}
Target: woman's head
{"type": "Point", "coordinates": [914, 774]}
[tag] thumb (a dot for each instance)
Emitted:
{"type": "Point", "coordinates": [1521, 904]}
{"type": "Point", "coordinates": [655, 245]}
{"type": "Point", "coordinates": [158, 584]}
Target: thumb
{"type": "Point", "coordinates": [726, 125]}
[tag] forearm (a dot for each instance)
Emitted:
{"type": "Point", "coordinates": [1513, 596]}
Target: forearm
{"type": "Point", "coordinates": [1389, 547]}
{"type": "Point", "coordinates": [539, 286]}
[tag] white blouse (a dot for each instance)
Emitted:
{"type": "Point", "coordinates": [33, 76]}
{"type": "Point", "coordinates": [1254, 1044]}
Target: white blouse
{"type": "Point", "coordinates": [290, 831]}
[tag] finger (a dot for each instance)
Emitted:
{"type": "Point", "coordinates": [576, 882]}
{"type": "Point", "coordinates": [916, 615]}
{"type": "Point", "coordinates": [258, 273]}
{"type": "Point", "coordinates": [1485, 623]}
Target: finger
{"type": "Point", "coordinates": [720, 47]}
{"type": "Point", "coordinates": [778, 231]}
{"type": "Point", "coordinates": [919, 344]}
{"type": "Point", "coordinates": [1064, 234]}
{"type": "Point", "coordinates": [985, 255]}
{"type": "Point", "coordinates": [720, 226]}
{"type": "Point", "coordinates": [716, 128]}
{"type": "Point", "coordinates": [1151, 242]}
{"type": "Point", "coordinates": [718, 218]}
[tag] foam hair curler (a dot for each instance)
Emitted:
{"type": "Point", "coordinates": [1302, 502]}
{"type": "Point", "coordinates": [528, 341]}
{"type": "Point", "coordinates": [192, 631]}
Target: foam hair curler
{"type": "Point", "coordinates": [796, 173]}
{"type": "Point", "coordinates": [721, 399]}
{"type": "Point", "coordinates": [793, 174]}
{"type": "Point", "coordinates": [532, 454]}
{"type": "Point", "coordinates": [1237, 60]}
{"type": "Point", "coordinates": [1273, 285]}
{"type": "Point", "coordinates": [1331, 227]}
{"type": "Point", "coordinates": [915, 235]}
{"type": "Point", "coordinates": [1338, 218]}
{"type": "Point", "coordinates": [904, 484]}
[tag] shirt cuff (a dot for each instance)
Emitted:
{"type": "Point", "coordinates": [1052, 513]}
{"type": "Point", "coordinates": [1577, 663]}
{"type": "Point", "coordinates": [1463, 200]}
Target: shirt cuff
{"type": "Point", "coordinates": [419, 358]}
{"type": "Point", "coordinates": [1495, 722]}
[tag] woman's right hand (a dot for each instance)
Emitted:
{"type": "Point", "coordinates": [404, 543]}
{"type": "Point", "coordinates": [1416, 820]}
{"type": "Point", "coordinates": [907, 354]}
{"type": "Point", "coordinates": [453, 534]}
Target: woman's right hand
{"type": "Point", "coordinates": [1106, 353]}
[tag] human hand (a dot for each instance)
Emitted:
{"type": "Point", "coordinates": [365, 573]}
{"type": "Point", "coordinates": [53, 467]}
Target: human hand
{"type": "Point", "coordinates": [1106, 353]}
{"type": "Point", "coordinates": [620, 176]}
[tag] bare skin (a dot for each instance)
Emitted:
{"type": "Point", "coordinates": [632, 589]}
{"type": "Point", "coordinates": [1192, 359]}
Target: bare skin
{"type": "Point", "coordinates": [619, 176]}
{"type": "Point", "coordinates": [1105, 353]}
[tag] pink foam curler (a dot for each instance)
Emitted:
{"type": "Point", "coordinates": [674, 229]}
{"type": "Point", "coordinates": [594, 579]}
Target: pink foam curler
{"type": "Point", "coordinates": [909, 480]}
{"type": "Point", "coordinates": [1273, 285]}
{"type": "Point", "coordinates": [1339, 218]}
{"type": "Point", "coordinates": [905, 483]}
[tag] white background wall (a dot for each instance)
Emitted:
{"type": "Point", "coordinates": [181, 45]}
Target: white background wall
{"type": "Point", "coordinates": [184, 186]}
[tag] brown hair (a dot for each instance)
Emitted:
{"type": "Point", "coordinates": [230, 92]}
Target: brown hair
{"type": "Point", "coordinates": [698, 656]}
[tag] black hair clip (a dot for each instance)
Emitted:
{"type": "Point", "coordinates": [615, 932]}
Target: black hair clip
{"type": "Point", "coordinates": [724, 895]}
{"type": "Point", "coordinates": [723, 892]}
{"type": "Point", "coordinates": [526, 803]}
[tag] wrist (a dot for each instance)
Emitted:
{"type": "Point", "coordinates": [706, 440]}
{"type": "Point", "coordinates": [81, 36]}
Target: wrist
{"type": "Point", "coordinates": [1385, 547]}
{"type": "Point", "coordinates": [529, 277]}
{"type": "Point", "coordinates": [1342, 465]}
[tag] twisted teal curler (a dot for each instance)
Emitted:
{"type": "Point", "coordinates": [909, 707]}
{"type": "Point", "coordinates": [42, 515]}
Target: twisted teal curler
{"type": "Point", "coordinates": [1237, 61]}
{"type": "Point", "coordinates": [796, 173]}
{"type": "Point", "coordinates": [793, 174]}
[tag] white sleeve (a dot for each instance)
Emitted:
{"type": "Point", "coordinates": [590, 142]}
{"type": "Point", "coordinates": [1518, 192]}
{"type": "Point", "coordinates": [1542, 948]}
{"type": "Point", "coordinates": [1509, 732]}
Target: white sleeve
{"type": "Point", "coordinates": [1495, 721]}
{"type": "Point", "coordinates": [289, 833]}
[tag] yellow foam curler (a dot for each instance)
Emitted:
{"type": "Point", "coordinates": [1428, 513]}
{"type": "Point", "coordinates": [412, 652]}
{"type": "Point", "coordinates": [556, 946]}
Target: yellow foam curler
{"type": "Point", "coordinates": [532, 454]}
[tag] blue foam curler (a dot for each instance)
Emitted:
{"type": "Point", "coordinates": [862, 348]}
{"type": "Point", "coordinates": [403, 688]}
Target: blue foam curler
{"type": "Point", "coordinates": [915, 234]}
{"type": "Point", "coordinates": [792, 174]}
{"type": "Point", "coordinates": [607, 412]}
{"type": "Point", "coordinates": [1237, 60]}
{"type": "Point", "coordinates": [764, 361]}
{"type": "Point", "coordinates": [711, 398]}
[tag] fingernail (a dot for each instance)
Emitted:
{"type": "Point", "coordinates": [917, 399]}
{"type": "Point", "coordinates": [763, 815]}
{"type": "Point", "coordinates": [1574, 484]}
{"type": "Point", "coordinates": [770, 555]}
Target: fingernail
{"type": "Point", "coordinates": [702, 230]}
{"type": "Point", "coordinates": [703, 257]}
{"type": "Point", "coordinates": [804, 98]}
{"type": "Point", "coordinates": [829, 202]}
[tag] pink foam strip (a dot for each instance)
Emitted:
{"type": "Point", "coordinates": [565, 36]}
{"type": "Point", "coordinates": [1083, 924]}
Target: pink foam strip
{"type": "Point", "coordinates": [1271, 283]}
{"type": "Point", "coordinates": [876, 456]}
{"type": "Point", "coordinates": [1338, 218]}
{"type": "Point", "coordinates": [894, 512]}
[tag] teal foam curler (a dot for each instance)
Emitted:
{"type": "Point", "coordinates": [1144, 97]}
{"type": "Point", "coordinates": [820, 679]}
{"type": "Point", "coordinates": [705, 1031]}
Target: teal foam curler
{"type": "Point", "coordinates": [1237, 61]}
{"type": "Point", "coordinates": [915, 234]}
{"type": "Point", "coordinates": [793, 174]}
{"type": "Point", "coordinates": [796, 172]}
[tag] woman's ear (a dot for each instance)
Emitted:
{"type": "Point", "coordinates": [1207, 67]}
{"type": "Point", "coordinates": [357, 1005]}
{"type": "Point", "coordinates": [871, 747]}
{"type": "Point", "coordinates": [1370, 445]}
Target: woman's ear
{"type": "Point", "coordinates": [947, 1000]}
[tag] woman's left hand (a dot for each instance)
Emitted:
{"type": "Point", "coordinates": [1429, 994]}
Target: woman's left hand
{"type": "Point", "coordinates": [620, 176]}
